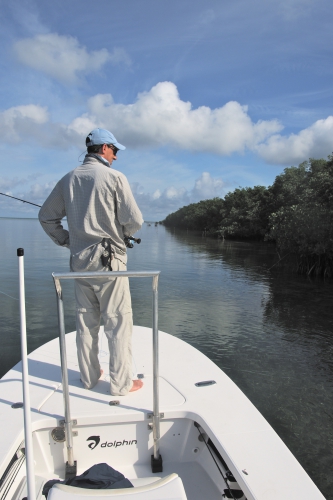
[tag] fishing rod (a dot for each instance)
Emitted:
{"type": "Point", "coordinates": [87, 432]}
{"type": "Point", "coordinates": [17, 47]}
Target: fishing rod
{"type": "Point", "coordinates": [129, 240]}
{"type": "Point", "coordinates": [24, 201]}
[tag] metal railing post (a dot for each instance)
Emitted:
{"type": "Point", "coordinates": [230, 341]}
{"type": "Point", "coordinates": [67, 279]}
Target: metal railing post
{"type": "Point", "coordinates": [25, 382]}
{"type": "Point", "coordinates": [64, 375]}
{"type": "Point", "coordinates": [156, 458]}
{"type": "Point", "coordinates": [156, 394]}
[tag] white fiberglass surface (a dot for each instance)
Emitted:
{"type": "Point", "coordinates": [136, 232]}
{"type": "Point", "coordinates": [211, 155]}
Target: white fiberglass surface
{"type": "Point", "coordinates": [128, 448]}
{"type": "Point", "coordinates": [197, 483]}
{"type": "Point", "coordinates": [119, 445]}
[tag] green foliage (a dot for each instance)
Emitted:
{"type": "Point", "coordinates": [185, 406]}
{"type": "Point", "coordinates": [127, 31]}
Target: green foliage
{"type": "Point", "coordinates": [244, 213]}
{"type": "Point", "coordinates": [301, 221]}
{"type": "Point", "coordinates": [201, 216]}
{"type": "Point", "coordinates": [296, 212]}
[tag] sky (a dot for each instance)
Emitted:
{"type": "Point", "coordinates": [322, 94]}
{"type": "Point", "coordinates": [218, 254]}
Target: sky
{"type": "Point", "coordinates": [206, 95]}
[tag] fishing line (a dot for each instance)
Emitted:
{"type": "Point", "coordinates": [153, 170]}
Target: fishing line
{"type": "Point", "coordinates": [278, 262]}
{"type": "Point", "coordinates": [8, 295]}
{"type": "Point", "coordinates": [14, 297]}
{"type": "Point", "coordinates": [78, 159]}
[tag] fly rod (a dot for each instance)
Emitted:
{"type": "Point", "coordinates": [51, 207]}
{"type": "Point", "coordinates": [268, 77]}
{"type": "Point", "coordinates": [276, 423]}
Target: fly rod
{"type": "Point", "coordinates": [19, 199]}
{"type": "Point", "coordinates": [129, 240]}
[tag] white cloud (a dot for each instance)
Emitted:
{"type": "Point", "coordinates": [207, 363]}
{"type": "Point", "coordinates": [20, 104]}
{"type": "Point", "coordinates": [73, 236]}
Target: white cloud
{"type": "Point", "coordinates": [206, 187]}
{"type": "Point", "coordinates": [63, 58]}
{"type": "Point", "coordinates": [160, 117]}
{"type": "Point", "coordinates": [39, 192]}
{"type": "Point", "coordinates": [35, 193]}
{"type": "Point", "coordinates": [173, 193]}
{"type": "Point", "coordinates": [158, 205]}
{"type": "Point", "coordinates": [8, 184]}
{"type": "Point", "coordinates": [157, 194]}
{"type": "Point", "coordinates": [315, 141]}
{"type": "Point", "coordinates": [21, 121]}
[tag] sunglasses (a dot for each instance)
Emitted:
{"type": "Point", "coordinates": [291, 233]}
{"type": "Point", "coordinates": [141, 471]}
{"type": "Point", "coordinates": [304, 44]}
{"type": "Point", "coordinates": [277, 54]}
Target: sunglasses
{"type": "Point", "coordinates": [114, 149]}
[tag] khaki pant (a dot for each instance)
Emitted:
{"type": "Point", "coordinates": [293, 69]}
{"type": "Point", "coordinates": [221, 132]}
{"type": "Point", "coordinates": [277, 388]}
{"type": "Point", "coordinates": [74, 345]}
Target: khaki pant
{"type": "Point", "coordinates": [111, 300]}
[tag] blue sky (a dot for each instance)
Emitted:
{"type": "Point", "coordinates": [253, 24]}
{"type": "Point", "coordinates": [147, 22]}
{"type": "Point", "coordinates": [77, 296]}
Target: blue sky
{"type": "Point", "coordinates": [206, 95]}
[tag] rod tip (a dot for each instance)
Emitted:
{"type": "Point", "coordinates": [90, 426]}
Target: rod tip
{"type": "Point", "coordinates": [20, 252]}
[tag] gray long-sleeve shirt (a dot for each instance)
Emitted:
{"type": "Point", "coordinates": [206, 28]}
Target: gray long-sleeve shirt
{"type": "Point", "coordinates": [98, 203]}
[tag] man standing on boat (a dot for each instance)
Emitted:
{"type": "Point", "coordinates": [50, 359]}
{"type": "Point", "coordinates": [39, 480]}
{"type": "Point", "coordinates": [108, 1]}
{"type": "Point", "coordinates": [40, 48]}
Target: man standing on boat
{"type": "Point", "coordinates": [100, 209]}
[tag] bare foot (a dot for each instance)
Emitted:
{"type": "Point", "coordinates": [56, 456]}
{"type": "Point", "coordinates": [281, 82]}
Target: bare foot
{"type": "Point", "coordinates": [137, 384]}
{"type": "Point", "coordinates": [102, 373]}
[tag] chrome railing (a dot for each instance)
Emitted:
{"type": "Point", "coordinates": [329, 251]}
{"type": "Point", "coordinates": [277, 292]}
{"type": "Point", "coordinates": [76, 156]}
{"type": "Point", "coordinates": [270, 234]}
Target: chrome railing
{"type": "Point", "coordinates": [114, 274]}
{"type": "Point", "coordinates": [31, 487]}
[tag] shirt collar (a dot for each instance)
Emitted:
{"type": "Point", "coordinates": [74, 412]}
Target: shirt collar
{"type": "Point", "coordinates": [99, 158]}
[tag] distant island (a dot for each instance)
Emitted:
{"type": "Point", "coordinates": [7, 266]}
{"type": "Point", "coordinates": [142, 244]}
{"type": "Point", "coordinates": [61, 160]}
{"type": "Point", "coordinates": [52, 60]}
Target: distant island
{"type": "Point", "coordinates": [296, 213]}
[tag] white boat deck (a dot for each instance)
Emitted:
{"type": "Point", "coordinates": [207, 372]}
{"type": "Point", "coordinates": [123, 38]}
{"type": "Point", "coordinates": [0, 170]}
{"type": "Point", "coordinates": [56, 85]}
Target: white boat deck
{"type": "Point", "coordinates": [264, 467]}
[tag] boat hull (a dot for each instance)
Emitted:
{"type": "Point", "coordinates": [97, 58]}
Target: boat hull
{"type": "Point", "coordinates": [208, 430]}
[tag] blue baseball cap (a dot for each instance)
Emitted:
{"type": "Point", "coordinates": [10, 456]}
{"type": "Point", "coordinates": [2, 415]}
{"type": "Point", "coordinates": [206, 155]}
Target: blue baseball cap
{"type": "Point", "coordinates": [101, 136]}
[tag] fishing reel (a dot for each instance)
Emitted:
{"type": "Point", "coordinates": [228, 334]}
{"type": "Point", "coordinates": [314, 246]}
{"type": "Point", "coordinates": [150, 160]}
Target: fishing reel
{"type": "Point", "coordinates": [130, 240]}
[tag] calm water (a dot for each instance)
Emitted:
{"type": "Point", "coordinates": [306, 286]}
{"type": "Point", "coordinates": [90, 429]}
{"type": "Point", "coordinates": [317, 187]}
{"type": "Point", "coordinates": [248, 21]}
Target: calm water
{"type": "Point", "coordinates": [271, 332]}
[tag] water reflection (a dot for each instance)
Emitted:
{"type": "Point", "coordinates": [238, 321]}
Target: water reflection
{"type": "Point", "coordinates": [277, 346]}
{"type": "Point", "coordinates": [270, 332]}
{"type": "Point", "coordinates": [41, 258]}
